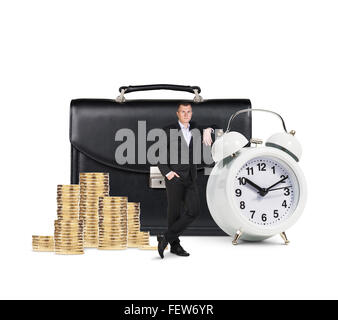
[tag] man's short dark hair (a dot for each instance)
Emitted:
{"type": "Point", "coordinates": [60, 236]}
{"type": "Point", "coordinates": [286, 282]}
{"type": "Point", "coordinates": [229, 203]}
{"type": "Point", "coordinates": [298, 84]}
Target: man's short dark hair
{"type": "Point", "coordinates": [184, 103]}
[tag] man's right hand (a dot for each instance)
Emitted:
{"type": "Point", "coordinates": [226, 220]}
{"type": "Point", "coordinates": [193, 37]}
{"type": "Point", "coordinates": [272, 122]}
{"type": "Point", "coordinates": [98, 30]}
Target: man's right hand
{"type": "Point", "coordinates": [171, 175]}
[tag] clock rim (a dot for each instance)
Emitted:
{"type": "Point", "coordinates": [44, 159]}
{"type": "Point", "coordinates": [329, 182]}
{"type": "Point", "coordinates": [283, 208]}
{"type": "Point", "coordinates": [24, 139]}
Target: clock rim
{"type": "Point", "coordinates": [248, 227]}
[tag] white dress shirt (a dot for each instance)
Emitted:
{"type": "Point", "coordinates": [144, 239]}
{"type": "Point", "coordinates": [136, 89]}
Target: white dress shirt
{"type": "Point", "coordinates": [186, 132]}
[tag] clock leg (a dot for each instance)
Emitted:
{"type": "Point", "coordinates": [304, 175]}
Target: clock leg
{"type": "Point", "coordinates": [283, 235]}
{"type": "Point", "coordinates": [237, 236]}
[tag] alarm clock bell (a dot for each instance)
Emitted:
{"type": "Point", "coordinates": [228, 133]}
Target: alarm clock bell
{"type": "Point", "coordinates": [228, 144]}
{"type": "Point", "coordinates": [286, 142]}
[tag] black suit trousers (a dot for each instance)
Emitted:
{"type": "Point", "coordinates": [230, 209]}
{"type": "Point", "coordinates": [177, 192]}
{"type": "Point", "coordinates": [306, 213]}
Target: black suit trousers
{"type": "Point", "coordinates": [181, 192]}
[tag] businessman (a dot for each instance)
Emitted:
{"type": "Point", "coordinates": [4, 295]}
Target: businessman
{"type": "Point", "coordinates": [180, 179]}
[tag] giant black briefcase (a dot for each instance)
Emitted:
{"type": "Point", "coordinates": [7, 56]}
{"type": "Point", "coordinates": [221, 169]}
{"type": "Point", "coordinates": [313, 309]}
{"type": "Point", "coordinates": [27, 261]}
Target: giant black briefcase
{"type": "Point", "coordinates": [95, 122]}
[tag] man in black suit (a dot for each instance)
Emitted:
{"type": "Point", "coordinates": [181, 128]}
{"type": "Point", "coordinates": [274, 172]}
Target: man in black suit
{"type": "Point", "coordinates": [180, 178]}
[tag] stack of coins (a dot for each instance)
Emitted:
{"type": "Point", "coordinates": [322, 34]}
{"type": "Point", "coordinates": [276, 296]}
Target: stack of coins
{"type": "Point", "coordinates": [43, 243]}
{"type": "Point", "coordinates": [112, 223]}
{"type": "Point", "coordinates": [68, 236]}
{"type": "Point", "coordinates": [133, 224]}
{"type": "Point", "coordinates": [68, 198]}
{"type": "Point", "coordinates": [92, 186]}
{"type": "Point", "coordinates": [143, 239]}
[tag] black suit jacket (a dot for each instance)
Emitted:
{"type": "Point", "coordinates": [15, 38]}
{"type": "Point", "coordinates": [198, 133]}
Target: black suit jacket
{"type": "Point", "coordinates": [181, 167]}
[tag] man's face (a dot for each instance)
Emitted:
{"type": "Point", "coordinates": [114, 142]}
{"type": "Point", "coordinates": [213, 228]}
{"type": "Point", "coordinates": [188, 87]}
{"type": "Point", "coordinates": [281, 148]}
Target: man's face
{"type": "Point", "coordinates": [184, 113]}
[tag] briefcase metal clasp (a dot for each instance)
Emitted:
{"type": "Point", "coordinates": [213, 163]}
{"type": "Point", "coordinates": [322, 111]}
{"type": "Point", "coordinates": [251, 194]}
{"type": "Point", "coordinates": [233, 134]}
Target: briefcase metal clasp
{"type": "Point", "coordinates": [156, 179]}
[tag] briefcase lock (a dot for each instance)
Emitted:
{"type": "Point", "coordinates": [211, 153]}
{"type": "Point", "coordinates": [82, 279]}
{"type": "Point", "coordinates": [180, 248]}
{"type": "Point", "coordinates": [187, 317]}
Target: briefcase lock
{"type": "Point", "coordinates": [156, 179]}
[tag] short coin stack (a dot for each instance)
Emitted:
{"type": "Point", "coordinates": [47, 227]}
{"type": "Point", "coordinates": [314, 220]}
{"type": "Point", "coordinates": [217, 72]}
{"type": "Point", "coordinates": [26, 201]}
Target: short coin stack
{"type": "Point", "coordinates": [112, 223]}
{"type": "Point", "coordinates": [92, 186]}
{"type": "Point", "coordinates": [68, 229]}
{"type": "Point", "coordinates": [133, 224]}
{"type": "Point", "coordinates": [143, 239]}
{"type": "Point", "coordinates": [68, 236]}
{"type": "Point", "coordinates": [43, 243]}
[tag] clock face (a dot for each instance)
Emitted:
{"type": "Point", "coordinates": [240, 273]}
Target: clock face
{"type": "Point", "coordinates": [266, 191]}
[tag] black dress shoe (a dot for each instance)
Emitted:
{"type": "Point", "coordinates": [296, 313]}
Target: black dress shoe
{"type": "Point", "coordinates": [162, 244]}
{"type": "Point", "coordinates": [179, 251]}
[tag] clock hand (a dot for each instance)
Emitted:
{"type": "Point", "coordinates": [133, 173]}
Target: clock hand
{"type": "Point", "coordinates": [278, 182]}
{"type": "Point", "coordinates": [261, 191]}
{"type": "Point", "coordinates": [280, 188]}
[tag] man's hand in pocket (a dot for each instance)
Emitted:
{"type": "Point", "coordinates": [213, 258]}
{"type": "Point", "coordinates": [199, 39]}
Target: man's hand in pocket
{"type": "Point", "coordinates": [171, 175]}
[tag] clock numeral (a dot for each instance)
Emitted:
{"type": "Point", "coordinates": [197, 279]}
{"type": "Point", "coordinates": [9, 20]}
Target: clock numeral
{"type": "Point", "coordinates": [242, 205]}
{"type": "Point", "coordinates": [250, 171]}
{"type": "Point", "coordinates": [273, 169]}
{"type": "Point", "coordinates": [275, 214]}
{"type": "Point", "coordinates": [286, 191]}
{"type": "Point", "coordinates": [264, 218]}
{"type": "Point", "coordinates": [261, 166]}
{"type": "Point", "coordinates": [284, 204]}
{"type": "Point", "coordinates": [241, 181]}
{"type": "Point", "coordinates": [238, 192]}
{"type": "Point", "coordinates": [253, 213]}
{"type": "Point", "coordinates": [283, 177]}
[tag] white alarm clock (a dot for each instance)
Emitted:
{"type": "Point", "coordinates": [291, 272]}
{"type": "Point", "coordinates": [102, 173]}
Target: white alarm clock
{"type": "Point", "coordinates": [256, 192]}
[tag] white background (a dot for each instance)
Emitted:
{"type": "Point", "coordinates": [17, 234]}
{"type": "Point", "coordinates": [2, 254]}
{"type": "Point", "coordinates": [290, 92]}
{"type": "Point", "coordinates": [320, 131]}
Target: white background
{"type": "Point", "coordinates": [280, 54]}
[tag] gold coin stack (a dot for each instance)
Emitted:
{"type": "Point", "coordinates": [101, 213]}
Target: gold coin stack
{"type": "Point", "coordinates": [112, 223]}
{"type": "Point", "coordinates": [133, 224]}
{"type": "Point", "coordinates": [68, 228]}
{"type": "Point", "coordinates": [68, 236]}
{"type": "Point", "coordinates": [43, 243]}
{"type": "Point", "coordinates": [68, 198]}
{"type": "Point", "coordinates": [143, 238]}
{"type": "Point", "coordinates": [92, 186]}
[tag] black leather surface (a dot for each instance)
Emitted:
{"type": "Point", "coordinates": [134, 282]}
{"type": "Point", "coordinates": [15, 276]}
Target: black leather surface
{"type": "Point", "coordinates": [93, 124]}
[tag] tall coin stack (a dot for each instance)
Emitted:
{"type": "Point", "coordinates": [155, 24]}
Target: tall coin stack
{"type": "Point", "coordinates": [113, 223]}
{"type": "Point", "coordinates": [43, 243]}
{"type": "Point", "coordinates": [92, 186]}
{"type": "Point", "coordinates": [68, 229]}
{"type": "Point", "coordinates": [133, 224]}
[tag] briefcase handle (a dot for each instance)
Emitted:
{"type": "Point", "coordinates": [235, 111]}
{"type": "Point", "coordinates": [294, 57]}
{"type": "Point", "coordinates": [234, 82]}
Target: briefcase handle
{"type": "Point", "coordinates": [127, 89]}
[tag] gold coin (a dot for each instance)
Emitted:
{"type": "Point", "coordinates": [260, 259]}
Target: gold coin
{"type": "Point", "coordinates": [110, 223]}
{"type": "Point", "coordinates": [42, 237]}
{"type": "Point", "coordinates": [70, 248]}
{"type": "Point", "coordinates": [112, 228]}
{"type": "Point", "coordinates": [67, 232]}
{"type": "Point", "coordinates": [111, 206]}
{"type": "Point", "coordinates": [68, 187]}
{"type": "Point", "coordinates": [93, 180]}
{"type": "Point", "coordinates": [148, 247]}
{"type": "Point", "coordinates": [68, 193]}
{"type": "Point", "coordinates": [113, 233]}
{"type": "Point", "coordinates": [84, 185]}
{"type": "Point", "coordinates": [90, 198]}
{"type": "Point", "coordinates": [108, 201]}
{"type": "Point", "coordinates": [113, 248]}
{"type": "Point", "coordinates": [101, 189]}
{"type": "Point", "coordinates": [68, 226]}
{"type": "Point", "coordinates": [68, 210]}
{"type": "Point", "coordinates": [94, 173]}
{"type": "Point", "coordinates": [67, 203]}
{"type": "Point", "coordinates": [69, 252]}
{"type": "Point", "coordinates": [67, 216]}
{"type": "Point", "coordinates": [40, 244]}
{"type": "Point", "coordinates": [67, 199]}
{"type": "Point", "coordinates": [103, 241]}
{"type": "Point", "coordinates": [112, 218]}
